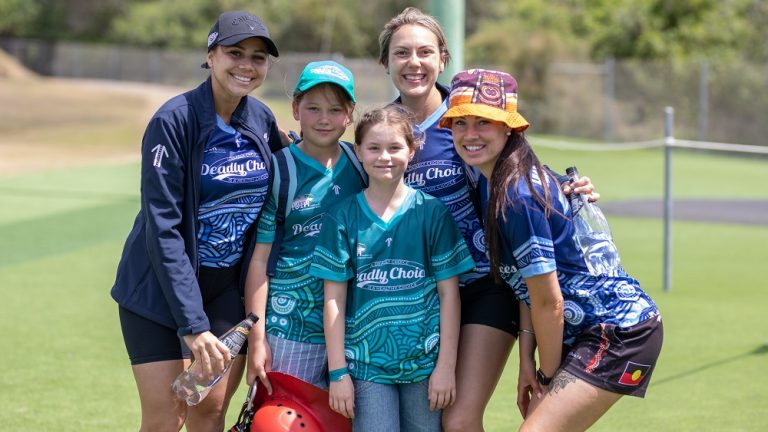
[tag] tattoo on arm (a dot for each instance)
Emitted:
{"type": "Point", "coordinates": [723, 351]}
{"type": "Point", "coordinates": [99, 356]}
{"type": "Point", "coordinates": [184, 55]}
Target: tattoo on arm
{"type": "Point", "coordinates": [562, 379]}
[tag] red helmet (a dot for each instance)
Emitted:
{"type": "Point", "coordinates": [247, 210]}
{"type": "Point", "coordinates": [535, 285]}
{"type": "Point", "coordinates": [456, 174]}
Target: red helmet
{"type": "Point", "coordinates": [294, 406]}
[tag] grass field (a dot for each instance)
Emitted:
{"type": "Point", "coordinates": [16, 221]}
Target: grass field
{"type": "Point", "coordinates": [62, 226]}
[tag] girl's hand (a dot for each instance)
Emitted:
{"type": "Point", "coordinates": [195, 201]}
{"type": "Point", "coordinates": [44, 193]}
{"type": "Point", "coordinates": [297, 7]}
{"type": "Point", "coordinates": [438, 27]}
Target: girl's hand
{"type": "Point", "coordinates": [341, 397]}
{"type": "Point", "coordinates": [209, 351]}
{"type": "Point", "coordinates": [527, 386]}
{"type": "Point", "coordinates": [259, 363]}
{"type": "Point", "coordinates": [442, 388]}
{"type": "Point", "coordinates": [581, 186]}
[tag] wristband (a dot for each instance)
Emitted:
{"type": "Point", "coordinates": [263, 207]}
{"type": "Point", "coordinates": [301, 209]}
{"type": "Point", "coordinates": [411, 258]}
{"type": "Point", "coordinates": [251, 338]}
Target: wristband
{"type": "Point", "coordinates": [337, 374]}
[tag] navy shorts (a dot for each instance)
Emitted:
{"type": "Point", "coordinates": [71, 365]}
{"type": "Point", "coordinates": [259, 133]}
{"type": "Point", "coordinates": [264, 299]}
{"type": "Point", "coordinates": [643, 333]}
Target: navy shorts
{"type": "Point", "coordinates": [148, 341]}
{"type": "Point", "coordinates": [487, 303]}
{"type": "Point", "coordinates": [620, 360]}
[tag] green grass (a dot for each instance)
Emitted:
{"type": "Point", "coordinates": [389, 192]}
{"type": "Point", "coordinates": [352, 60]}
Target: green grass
{"type": "Point", "coordinates": [65, 366]}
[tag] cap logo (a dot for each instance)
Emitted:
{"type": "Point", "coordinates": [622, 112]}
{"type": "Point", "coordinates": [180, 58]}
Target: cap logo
{"type": "Point", "coordinates": [330, 70]}
{"type": "Point", "coordinates": [212, 38]}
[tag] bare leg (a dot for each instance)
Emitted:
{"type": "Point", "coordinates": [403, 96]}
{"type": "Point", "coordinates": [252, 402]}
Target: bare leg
{"type": "Point", "coordinates": [570, 404]}
{"type": "Point", "coordinates": [483, 353]}
{"type": "Point", "coordinates": [161, 410]}
{"type": "Point", "coordinates": [209, 415]}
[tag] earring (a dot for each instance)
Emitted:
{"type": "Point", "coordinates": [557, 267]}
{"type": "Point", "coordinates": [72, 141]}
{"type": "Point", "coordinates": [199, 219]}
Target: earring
{"type": "Point", "coordinates": [509, 133]}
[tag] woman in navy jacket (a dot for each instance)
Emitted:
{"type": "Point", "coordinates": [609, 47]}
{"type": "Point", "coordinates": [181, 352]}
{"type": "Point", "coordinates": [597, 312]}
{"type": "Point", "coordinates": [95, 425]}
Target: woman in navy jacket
{"type": "Point", "coordinates": [204, 178]}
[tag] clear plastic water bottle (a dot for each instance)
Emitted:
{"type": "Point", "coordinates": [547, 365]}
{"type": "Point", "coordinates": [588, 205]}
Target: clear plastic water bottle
{"type": "Point", "coordinates": [193, 385]}
{"type": "Point", "coordinates": [592, 234]}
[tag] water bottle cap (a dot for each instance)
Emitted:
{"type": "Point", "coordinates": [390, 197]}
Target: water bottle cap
{"type": "Point", "coordinates": [252, 316]}
{"type": "Point", "coordinates": [570, 171]}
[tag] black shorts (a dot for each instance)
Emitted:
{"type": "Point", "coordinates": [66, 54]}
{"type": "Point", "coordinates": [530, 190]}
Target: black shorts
{"type": "Point", "coordinates": [620, 360]}
{"type": "Point", "coordinates": [487, 303]}
{"type": "Point", "coordinates": [148, 341]}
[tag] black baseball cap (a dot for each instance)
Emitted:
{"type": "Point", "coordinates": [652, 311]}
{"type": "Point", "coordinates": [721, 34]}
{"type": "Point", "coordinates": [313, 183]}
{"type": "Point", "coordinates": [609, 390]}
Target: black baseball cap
{"type": "Point", "coordinates": [235, 26]}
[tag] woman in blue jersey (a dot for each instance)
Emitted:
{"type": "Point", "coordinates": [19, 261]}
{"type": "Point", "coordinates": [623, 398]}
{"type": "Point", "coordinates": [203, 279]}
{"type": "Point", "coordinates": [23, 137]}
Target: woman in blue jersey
{"type": "Point", "coordinates": [414, 51]}
{"type": "Point", "coordinates": [204, 178]}
{"type": "Point", "coordinates": [598, 337]}
{"type": "Point", "coordinates": [390, 257]}
{"type": "Point", "coordinates": [319, 173]}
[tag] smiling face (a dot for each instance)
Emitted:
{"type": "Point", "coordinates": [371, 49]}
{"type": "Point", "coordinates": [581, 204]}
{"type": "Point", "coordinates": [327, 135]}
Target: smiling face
{"type": "Point", "coordinates": [322, 115]}
{"type": "Point", "coordinates": [479, 141]}
{"type": "Point", "coordinates": [414, 60]}
{"type": "Point", "coordinates": [237, 70]}
{"type": "Point", "coordinates": [384, 153]}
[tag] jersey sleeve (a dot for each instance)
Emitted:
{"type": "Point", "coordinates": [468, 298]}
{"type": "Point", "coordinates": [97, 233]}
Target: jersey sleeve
{"type": "Point", "coordinates": [449, 254]}
{"type": "Point", "coordinates": [527, 234]}
{"type": "Point", "coordinates": [331, 259]}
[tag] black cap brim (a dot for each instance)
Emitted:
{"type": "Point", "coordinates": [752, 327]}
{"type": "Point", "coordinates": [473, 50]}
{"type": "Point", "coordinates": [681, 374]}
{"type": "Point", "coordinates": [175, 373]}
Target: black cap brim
{"type": "Point", "coordinates": [235, 39]}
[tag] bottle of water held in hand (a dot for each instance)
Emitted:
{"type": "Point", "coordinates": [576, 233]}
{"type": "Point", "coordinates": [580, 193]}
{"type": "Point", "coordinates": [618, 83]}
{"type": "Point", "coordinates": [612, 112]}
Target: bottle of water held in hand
{"type": "Point", "coordinates": [193, 385]}
{"type": "Point", "coordinates": [592, 234]}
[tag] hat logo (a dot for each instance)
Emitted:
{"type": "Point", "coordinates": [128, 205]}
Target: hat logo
{"type": "Point", "coordinates": [490, 91]}
{"type": "Point", "coordinates": [212, 38]}
{"type": "Point", "coordinates": [330, 70]}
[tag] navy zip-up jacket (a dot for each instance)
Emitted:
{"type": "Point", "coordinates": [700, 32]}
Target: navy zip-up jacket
{"type": "Point", "coordinates": [157, 274]}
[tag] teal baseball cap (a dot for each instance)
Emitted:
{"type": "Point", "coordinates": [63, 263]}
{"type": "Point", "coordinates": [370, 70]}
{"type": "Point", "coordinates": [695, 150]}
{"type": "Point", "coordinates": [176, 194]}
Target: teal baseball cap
{"type": "Point", "coordinates": [328, 71]}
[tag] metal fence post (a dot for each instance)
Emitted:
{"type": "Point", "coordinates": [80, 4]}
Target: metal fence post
{"type": "Point", "coordinates": [669, 141]}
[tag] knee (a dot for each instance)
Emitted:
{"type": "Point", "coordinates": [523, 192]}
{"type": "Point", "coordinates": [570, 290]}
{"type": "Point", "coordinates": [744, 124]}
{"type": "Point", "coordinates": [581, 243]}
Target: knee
{"type": "Point", "coordinates": [457, 421]}
{"type": "Point", "coordinates": [165, 423]}
{"type": "Point", "coordinates": [529, 426]}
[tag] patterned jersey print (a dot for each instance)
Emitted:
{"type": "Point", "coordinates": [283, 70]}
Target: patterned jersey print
{"type": "Point", "coordinates": [392, 268]}
{"type": "Point", "coordinates": [233, 189]}
{"type": "Point", "coordinates": [295, 305]}
{"type": "Point", "coordinates": [535, 244]}
{"type": "Point", "coordinates": [439, 171]}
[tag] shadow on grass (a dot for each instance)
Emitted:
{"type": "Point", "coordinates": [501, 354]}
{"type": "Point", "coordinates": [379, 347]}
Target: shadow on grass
{"type": "Point", "coordinates": [65, 232]}
{"type": "Point", "coordinates": [760, 350]}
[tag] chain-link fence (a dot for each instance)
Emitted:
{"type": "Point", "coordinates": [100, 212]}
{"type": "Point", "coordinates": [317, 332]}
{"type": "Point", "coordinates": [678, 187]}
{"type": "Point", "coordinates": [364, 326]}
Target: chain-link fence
{"type": "Point", "coordinates": [611, 101]}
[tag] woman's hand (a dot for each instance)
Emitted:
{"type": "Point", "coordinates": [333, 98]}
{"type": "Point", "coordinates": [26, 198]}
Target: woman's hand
{"type": "Point", "coordinates": [527, 386]}
{"type": "Point", "coordinates": [582, 186]}
{"type": "Point", "coordinates": [212, 354]}
{"type": "Point", "coordinates": [341, 396]}
{"type": "Point", "coordinates": [442, 388]}
{"type": "Point", "coordinates": [259, 363]}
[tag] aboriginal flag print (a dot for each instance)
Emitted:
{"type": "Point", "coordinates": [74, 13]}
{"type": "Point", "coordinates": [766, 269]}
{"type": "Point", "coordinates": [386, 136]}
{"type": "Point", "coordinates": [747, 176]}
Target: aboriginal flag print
{"type": "Point", "coordinates": [633, 374]}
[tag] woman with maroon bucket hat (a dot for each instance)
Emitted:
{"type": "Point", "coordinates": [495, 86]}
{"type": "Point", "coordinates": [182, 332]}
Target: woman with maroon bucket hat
{"type": "Point", "coordinates": [598, 336]}
{"type": "Point", "coordinates": [413, 49]}
{"type": "Point", "coordinates": [204, 179]}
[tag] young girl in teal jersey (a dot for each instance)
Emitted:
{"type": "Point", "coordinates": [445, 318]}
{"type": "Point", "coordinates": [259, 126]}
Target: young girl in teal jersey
{"type": "Point", "coordinates": [290, 337]}
{"type": "Point", "coordinates": [391, 257]}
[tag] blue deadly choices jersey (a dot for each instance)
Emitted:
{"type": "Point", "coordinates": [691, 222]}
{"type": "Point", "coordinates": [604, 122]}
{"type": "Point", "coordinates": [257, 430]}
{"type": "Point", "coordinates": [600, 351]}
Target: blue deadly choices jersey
{"type": "Point", "coordinates": [439, 171]}
{"type": "Point", "coordinates": [295, 306]}
{"type": "Point", "coordinates": [392, 308]}
{"type": "Point", "coordinates": [534, 244]}
{"type": "Point", "coordinates": [233, 188]}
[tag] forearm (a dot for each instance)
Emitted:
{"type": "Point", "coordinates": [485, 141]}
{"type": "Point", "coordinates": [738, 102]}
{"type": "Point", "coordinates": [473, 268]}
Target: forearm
{"type": "Point", "coordinates": [333, 321]}
{"type": "Point", "coordinates": [527, 337]}
{"type": "Point", "coordinates": [547, 319]}
{"type": "Point", "coordinates": [450, 322]}
{"type": "Point", "coordinates": [257, 290]}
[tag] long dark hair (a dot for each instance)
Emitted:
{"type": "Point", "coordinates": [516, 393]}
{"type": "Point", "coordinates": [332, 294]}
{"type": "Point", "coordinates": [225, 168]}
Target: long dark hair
{"type": "Point", "coordinates": [515, 163]}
